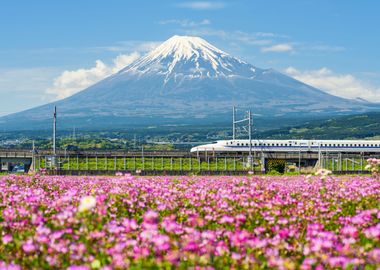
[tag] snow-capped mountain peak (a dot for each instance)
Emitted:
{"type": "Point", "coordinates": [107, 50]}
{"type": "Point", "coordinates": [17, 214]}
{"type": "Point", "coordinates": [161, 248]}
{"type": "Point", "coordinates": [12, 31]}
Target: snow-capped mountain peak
{"type": "Point", "coordinates": [185, 47]}
{"type": "Point", "coordinates": [190, 57]}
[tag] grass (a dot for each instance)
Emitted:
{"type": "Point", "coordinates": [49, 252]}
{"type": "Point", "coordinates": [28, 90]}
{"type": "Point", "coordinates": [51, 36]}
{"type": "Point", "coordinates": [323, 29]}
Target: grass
{"type": "Point", "coordinates": [149, 163]}
{"type": "Point", "coordinates": [345, 164]}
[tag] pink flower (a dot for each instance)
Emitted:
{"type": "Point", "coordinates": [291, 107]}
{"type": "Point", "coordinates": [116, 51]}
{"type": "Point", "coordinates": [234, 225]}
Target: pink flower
{"type": "Point", "coordinates": [226, 219]}
{"type": "Point", "coordinates": [151, 217]}
{"type": "Point", "coordinates": [28, 246]}
{"type": "Point", "coordinates": [373, 232]}
{"type": "Point", "coordinates": [375, 255]}
{"type": "Point", "coordinates": [162, 242]}
{"type": "Point", "coordinates": [11, 266]}
{"type": "Point", "coordinates": [308, 263]}
{"type": "Point", "coordinates": [78, 267]}
{"type": "Point", "coordinates": [350, 231]}
{"type": "Point", "coordinates": [283, 233]}
{"type": "Point", "coordinates": [7, 239]}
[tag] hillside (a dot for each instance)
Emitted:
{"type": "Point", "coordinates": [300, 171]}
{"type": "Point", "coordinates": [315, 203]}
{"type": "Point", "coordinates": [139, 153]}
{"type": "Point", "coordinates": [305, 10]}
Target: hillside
{"type": "Point", "coordinates": [344, 127]}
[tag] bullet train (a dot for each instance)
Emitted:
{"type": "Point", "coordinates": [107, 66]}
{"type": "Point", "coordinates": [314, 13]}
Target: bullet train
{"type": "Point", "coordinates": [242, 146]}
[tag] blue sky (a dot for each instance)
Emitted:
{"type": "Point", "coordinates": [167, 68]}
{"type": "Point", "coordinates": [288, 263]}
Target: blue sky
{"type": "Point", "coordinates": [51, 49]}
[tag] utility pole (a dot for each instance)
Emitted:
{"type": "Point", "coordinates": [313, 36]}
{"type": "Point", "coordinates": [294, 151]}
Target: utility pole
{"type": "Point", "coordinates": [247, 128]}
{"type": "Point", "coordinates": [299, 159]}
{"type": "Point", "coordinates": [142, 157]}
{"type": "Point", "coordinates": [33, 157]}
{"type": "Point", "coordinates": [54, 130]}
{"type": "Point", "coordinates": [233, 122]}
{"type": "Point", "coordinates": [320, 156]}
{"type": "Point", "coordinates": [250, 137]}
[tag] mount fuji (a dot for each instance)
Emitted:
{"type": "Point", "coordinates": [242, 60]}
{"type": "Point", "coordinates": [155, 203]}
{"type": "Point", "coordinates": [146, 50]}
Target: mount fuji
{"type": "Point", "coordinates": [185, 79]}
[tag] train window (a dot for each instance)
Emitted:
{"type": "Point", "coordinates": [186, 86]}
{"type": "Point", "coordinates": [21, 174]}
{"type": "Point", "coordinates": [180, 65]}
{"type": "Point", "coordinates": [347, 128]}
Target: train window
{"type": "Point", "coordinates": [246, 144]}
{"type": "Point", "coordinates": [354, 144]}
{"type": "Point", "coordinates": [255, 144]}
{"type": "Point", "coordinates": [238, 144]}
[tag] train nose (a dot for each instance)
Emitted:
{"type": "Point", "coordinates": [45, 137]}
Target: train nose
{"type": "Point", "coordinates": [194, 149]}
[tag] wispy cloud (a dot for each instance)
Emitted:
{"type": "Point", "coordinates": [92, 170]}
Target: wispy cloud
{"type": "Point", "coordinates": [128, 46]}
{"type": "Point", "coordinates": [186, 22]}
{"type": "Point", "coordinates": [257, 39]}
{"type": "Point", "coordinates": [326, 48]}
{"type": "Point", "coordinates": [73, 81]}
{"type": "Point", "coordinates": [278, 48]}
{"type": "Point", "coordinates": [344, 85]}
{"type": "Point", "coordinates": [202, 5]}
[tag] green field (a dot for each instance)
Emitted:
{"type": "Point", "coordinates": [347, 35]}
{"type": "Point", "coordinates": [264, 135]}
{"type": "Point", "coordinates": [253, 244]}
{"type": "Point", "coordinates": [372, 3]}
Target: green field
{"type": "Point", "coordinates": [148, 163]}
{"type": "Point", "coordinates": [345, 164]}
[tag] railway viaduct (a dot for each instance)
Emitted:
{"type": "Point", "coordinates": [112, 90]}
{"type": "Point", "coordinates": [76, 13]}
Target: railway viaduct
{"type": "Point", "coordinates": [10, 158]}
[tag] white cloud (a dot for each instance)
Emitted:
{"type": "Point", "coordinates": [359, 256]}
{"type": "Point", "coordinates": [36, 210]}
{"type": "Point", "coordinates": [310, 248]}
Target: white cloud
{"type": "Point", "coordinates": [186, 22]}
{"type": "Point", "coordinates": [127, 47]}
{"type": "Point", "coordinates": [123, 60]}
{"type": "Point", "coordinates": [344, 85]}
{"type": "Point", "coordinates": [202, 5]}
{"type": "Point", "coordinates": [73, 81]}
{"type": "Point", "coordinates": [325, 48]}
{"type": "Point", "coordinates": [278, 48]}
{"type": "Point", "coordinates": [257, 39]}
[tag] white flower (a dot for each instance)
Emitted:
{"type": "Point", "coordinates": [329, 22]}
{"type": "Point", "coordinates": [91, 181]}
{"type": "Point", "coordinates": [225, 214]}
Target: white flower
{"type": "Point", "coordinates": [368, 167]}
{"type": "Point", "coordinates": [323, 172]}
{"type": "Point", "coordinates": [86, 203]}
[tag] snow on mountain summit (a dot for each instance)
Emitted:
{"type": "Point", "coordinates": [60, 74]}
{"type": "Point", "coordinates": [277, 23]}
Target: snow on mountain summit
{"type": "Point", "coordinates": [191, 57]}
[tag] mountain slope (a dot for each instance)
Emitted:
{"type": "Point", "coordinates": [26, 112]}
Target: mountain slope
{"type": "Point", "coordinates": [360, 126]}
{"type": "Point", "coordinates": [185, 79]}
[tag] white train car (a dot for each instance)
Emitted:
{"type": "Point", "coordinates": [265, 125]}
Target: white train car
{"type": "Point", "coordinates": [242, 146]}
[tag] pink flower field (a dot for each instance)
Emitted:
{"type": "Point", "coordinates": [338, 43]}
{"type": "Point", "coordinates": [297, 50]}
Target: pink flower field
{"type": "Point", "coordinates": [197, 222]}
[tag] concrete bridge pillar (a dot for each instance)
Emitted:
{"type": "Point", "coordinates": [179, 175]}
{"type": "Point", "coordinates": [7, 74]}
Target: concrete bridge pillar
{"type": "Point", "coordinates": [263, 163]}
